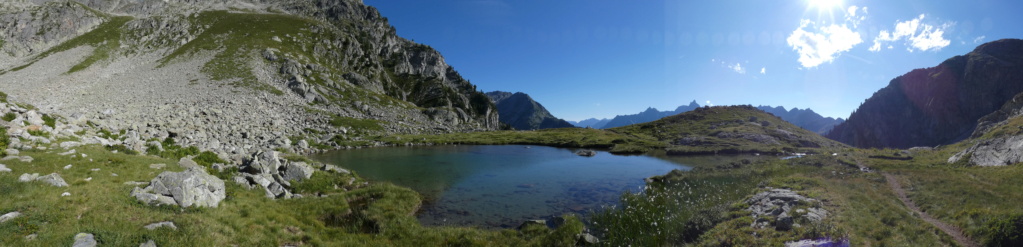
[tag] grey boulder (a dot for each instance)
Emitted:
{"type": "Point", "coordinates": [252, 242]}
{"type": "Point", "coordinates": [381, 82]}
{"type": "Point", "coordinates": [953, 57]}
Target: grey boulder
{"type": "Point", "coordinates": [3, 168]}
{"type": "Point", "coordinates": [84, 240]}
{"type": "Point", "coordinates": [9, 216]}
{"type": "Point", "coordinates": [297, 171]}
{"type": "Point", "coordinates": [53, 179]}
{"type": "Point", "coordinates": [192, 187]}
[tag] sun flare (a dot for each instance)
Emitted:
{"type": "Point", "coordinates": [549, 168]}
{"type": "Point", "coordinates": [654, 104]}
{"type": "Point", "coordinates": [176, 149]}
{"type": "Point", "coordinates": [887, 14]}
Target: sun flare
{"type": "Point", "coordinates": [825, 4]}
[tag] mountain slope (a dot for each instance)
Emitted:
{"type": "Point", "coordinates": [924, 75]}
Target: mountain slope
{"type": "Point", "coordinates": [805, 118]}
{"type": "Point", "coordinates": [233, 77]}
{"type": "Point", "coordinates": [727, 129]}
{"type": "Point", "coordinates": [938, 105]}
{"type": "Point", "coordinates": [523, 113]}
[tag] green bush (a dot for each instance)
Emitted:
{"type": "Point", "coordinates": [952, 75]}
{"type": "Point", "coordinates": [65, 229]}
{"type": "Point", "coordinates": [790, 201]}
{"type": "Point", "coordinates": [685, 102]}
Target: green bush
{"type": "Point", "coordinates": [207, 159]}
{"type": "Point", "coordinates": [1004, 231]}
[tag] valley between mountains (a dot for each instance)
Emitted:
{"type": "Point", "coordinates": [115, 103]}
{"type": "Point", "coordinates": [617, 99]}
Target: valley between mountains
{"type": "Point", "coordinates": [184, 123]}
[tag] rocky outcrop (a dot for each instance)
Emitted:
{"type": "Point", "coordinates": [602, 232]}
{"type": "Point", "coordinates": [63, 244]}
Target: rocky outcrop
{"type": "Point", "coordinates": [784, 209]}
{"type": "Point", "coordinates": [274, 174]}
{"type": "Point", "coordinates": [938, 105]}
{"type": "Point", "coordinates": [192, 187]}
{"type": "Point", "coordinates": [521, 112]}
{"type": "Point", "coordinates": [998, 151]}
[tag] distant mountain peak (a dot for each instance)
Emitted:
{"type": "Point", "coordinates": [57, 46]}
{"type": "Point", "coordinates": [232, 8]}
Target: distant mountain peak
{"type": "Point", "coordinates": [520, 111]}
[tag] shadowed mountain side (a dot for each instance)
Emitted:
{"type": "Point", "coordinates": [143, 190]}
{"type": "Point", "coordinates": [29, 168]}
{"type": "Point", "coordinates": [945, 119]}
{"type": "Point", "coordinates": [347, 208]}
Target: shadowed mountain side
{"type": "Point", "coordinates": [938, 105]}
{"type": "Point", "coordinates": [523, 113]}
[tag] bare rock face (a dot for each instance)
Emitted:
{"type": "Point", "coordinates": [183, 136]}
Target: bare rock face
{"type": "Point", "coordinates": [1000, 151]}
{"type": "Point", "coordinates": [273, 173]}
{"type": "Point", "coordinates": [192, 187]}
{"type": "Point", "coordinates": [25, 33]}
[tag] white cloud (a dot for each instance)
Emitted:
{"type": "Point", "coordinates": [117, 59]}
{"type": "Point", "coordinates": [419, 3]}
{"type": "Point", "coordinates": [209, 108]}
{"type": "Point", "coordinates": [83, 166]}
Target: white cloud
{"type": "Point", "coordinates": [709, 104]}
{"type": "Point", "coordinates": [919, 36]}
{"type": "Point", "coordinates": [823, 44]}
{"type": "Point", "coordinates": [977, 40]}
{"type": "Point", "coordinates": [763, 70]}
{"type": "Point", "coordinates": [738, 68]}
{"type": "Point", "coordinates": [853, 15]}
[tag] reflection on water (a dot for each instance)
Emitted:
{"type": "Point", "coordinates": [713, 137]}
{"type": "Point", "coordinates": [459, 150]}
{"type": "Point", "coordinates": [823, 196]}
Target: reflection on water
{"type": "Point", "coordinates": [501, 186]}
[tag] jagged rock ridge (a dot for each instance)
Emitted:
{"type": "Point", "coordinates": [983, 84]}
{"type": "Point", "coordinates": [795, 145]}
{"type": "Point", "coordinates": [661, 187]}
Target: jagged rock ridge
{"type": "Point", "coordinates": [938, 105]}
{"type": "Point", "coordinates": [523, 113]}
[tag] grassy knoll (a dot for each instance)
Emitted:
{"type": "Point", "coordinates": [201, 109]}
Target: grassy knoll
{"type": "Point", "coordinates": [361, 215]}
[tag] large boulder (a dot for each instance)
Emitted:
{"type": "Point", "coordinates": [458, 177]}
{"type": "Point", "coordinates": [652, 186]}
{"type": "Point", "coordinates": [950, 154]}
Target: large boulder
{"type": "Point", "coordinates": [297, 171]}
{"type": "Point", "coordinates": [192, 187]}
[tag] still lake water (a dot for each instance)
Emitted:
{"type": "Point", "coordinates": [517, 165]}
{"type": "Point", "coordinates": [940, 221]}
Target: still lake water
{"type": "Point", "coordinates": [502, 186]}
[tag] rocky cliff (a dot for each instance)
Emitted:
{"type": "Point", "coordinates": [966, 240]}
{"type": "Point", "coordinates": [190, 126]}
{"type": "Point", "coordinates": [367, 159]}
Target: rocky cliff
{"type": "Point", "coordinates": [938, 105]}
{"type": "Point", "coordinates": [232, 76]}
{"type": "Point", "coordinates": [523, 113]}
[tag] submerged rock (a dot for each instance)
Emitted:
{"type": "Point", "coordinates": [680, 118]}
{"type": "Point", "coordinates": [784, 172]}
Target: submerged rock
{"type": "Point", "coordinates": [587, 153]}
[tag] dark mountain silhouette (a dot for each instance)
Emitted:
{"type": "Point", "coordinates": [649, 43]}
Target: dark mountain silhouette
{"type": "Point", "coordinates": [522, 112]}
{"type": "Point", "coordinates": [650, 114]}
{"type": "Point", "coordinates": [937, 105]}
{"type": "Point", "coordinates": [805, 118]}
{"type": "Point", "coordinates": [591, 123]}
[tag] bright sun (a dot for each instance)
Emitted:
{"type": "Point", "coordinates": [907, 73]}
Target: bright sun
{"type": "Point", "coordinates": [825, 4]}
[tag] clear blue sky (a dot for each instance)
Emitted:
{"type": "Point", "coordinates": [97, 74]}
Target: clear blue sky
{"type": "Point", "coordinates": [600, 58]}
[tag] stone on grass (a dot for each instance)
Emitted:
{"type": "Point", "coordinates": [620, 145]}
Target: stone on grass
{"type": "Point", "coordinates": [3, 168]}
{"type": "Point", "coordinates": [157, 166]}
{"type": "Point", "coordinates": [84, 240]}
{"type": "Point", "coordinates": [149, 243]}
{"type": "Point", "coordinates": [167, 224]}
{"type": "Point", "coordinates": [9, 216]}
{"type": "Point", "coordinates": [192, 187]}
{"type": "Point", "coordinates": [586, 239]}
{"type": "Point", "coordinates": [28, 177]}
{"type": "Point", "coordinates": [53, 179]}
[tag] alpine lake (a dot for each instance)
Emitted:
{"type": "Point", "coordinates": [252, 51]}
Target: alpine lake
{"type": "Point", "coordinates": [501, 186]}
